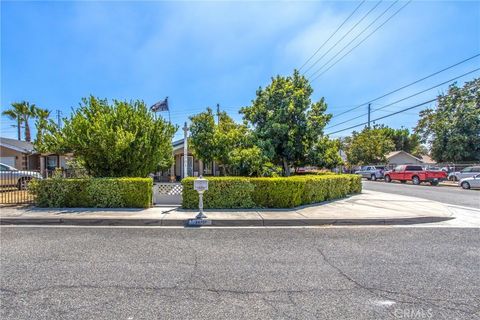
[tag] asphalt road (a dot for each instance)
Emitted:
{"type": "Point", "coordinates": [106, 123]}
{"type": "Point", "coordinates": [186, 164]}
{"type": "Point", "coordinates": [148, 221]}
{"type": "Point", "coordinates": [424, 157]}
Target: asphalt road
{"type": "Point", "coordinates": [316, 273]}
{"type": "Point", "coordinates": [445, 194]}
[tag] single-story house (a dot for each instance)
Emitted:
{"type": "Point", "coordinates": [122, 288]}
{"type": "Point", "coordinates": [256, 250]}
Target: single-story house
{"type": "Point", "coordinates": [22, 155]}
{"type": "Point", "coordinates": [401, 157]}
{"type": "Point", "coordinates": [18, 154]}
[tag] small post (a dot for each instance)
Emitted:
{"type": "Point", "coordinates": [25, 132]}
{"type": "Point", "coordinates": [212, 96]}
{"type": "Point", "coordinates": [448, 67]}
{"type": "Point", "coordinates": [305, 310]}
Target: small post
{"type": "Point", "coordinates": [185, 151]}
{"type": "Point", "coordinates": [200, 185]}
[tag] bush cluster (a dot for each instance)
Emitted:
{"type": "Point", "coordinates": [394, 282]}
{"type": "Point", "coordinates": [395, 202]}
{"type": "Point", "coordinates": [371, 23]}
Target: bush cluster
{"type": "Point", "coordinates": [281, 192]}
{"type": "Point", "coordinates": [93, 192]}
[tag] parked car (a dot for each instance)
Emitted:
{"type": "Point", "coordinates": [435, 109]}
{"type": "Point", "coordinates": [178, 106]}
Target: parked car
{"type": "Point", "coordinates": [371, 172]}
{"type": "Point", "coordinates": [465, 173]}
{"type": "Point", "coordinates": [12, 177]}
{"type": "Point", "coordinates": [470, 182]}
{"type": "Point", "coordinates": [416, 174]}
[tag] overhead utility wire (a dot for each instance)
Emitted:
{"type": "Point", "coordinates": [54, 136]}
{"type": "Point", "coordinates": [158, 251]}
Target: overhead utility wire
{"type": "Point", "coordinates": [413, 95]}
{"type": "Point", "coordinates": [331, 36]}
{"type": "Point", "coordinates": [356, 37]}
{"type": "Point", "coordinates": [348, 32]}
{"type": "Point", "coordinates": [364, 39]}
{"type": "Point", "coordinates": [408, 85]}
{"type": "Point", "coordinates": [386, 116]}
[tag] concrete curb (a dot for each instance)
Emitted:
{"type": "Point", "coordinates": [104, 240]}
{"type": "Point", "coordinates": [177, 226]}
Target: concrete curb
{"type": "Point", "coordinates": [219, 222]}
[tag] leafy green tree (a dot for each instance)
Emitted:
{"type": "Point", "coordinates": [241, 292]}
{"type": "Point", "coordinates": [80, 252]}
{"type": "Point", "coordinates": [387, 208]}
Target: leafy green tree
{"type": "Point", "coordinates": [202, 138]}
{"type": "Point", "coordinates": [403, 140]}
{"type": "Point", "coordinates": [286, 121]}
{"type": "Point", "coordinates": [452, 129]}
{"type": "Point", "coordinates": [325, 154]}
{"type": "Point", "coordinates": [113, 140]}
{"type": "Point", "coordinates": [370, 146]}
{"type": "Point", "coordinates": [212, 142]}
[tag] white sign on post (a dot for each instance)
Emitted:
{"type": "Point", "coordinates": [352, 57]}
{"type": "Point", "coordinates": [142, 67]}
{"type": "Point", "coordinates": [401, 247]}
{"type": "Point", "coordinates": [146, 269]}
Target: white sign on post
{"type": "Point", "coordinates": [200, 185]}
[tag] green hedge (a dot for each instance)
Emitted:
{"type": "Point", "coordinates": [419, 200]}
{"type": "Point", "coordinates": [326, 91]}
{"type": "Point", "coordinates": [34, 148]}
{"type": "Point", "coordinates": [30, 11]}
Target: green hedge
{"type": "Point", "coordinates": [93, 192]}
{"type": "Point", "coordinates": [282, 192]}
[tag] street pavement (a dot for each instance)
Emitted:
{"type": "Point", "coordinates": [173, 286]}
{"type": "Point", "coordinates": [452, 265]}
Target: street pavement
{"type": "Point", "coordinates": [239, 273]}
{"type": "Point", "coordinates": [445, 194]}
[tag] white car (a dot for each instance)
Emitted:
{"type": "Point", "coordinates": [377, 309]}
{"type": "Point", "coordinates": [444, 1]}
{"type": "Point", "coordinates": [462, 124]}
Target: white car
{"type": "Point", "coordinates": [471, 182]}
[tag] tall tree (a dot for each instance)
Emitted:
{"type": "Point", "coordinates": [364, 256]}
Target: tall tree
{"type": "Point", "coordinates": [41, 123]}
{"type": "Point", "coordinates": [403, 140]}
{"type": "Point", "coordinates": [370, 146]}
{"type": "Point", "coordinates": [452, 129]}
{"type": "Point", "coordinates": [212, 142]}
{"type": "Point", "coordinates": [17, 113]}
{"type": "Point", "coordinates": [286, 121]}
{"type": "Point", "coordinates": [113, 140]}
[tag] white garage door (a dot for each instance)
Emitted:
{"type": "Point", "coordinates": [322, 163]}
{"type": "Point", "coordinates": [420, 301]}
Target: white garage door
{"type": "Point", "coordinates": [9, 161]}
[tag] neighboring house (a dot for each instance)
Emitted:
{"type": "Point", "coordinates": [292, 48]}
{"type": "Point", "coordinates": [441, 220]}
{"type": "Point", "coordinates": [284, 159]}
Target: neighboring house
{"type": "Point", "coordinates": [19, 154]}
{"type": "Point", "coordinates": [22, 155]}
{"type": "Point", "coordinates": [401, 157]}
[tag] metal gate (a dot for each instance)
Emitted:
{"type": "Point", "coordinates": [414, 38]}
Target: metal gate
{"type": "Point", "coordinates": [167, 193]}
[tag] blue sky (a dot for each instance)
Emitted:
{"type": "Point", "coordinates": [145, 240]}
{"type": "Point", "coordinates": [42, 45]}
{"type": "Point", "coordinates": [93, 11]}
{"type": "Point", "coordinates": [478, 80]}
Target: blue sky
{"type": "Point", "coordinates": [203, 53]}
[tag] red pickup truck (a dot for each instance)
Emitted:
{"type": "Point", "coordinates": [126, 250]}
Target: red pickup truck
{"type": "Point", "coordinates": [416, 174]}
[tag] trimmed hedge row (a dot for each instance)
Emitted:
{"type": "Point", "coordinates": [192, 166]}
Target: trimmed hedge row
{"type": "Point", "coordinates": [93, 192]}
{"type": "Point", "coordinates": [284, 192]}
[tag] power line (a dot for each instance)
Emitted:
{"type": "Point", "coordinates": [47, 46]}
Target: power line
{"type": "Point", "coordinates": [408, 85]}
{"type": "Point", "coordinates": [386, 116]}
{"type": "Point", "coordinates": [331, 36]}
{"type": "Point", "coordinates": [356, 24]}
{"type": "Point", "coordinates": [356, 37]}
{"type": "Point", "coordinates": [413, 95]}
{"type": "Point", "coordinates": [363, 40]}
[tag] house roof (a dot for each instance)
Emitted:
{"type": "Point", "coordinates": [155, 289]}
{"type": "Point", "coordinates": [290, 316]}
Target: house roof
{"type": "Point", "coordinates": [18, 145]}
{"type": "Point", "coordinates": [427, 159]}
{"type": "Point", "coordinates": [394, 153]}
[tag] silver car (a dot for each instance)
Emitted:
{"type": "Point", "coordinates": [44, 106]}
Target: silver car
{"type": "Point", "coordinates": [465, 173]}
{"type": "Point", "coordinates": [371, 172]}
{"type": "Point", "coordinates": [471, 182]}
{"type": "Point", "coordinates": [12, 177]}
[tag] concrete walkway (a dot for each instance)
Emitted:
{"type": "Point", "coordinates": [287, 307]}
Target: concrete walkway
{"type": "Point", "coordinates": [368, 208]}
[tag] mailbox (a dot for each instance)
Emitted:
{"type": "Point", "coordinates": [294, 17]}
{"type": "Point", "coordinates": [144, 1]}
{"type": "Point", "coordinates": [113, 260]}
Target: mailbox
{"type": "Point", "coordinates": [200, 184]}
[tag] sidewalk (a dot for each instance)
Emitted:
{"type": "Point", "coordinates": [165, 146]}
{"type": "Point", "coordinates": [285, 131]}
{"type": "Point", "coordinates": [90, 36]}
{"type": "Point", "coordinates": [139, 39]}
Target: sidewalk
{"type": "Point", "coordinates": [368, 208]}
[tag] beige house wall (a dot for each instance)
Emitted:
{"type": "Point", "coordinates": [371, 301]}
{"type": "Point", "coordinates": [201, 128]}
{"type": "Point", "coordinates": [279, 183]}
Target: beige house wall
{"type": "Point", "coordinates": [20, 158]}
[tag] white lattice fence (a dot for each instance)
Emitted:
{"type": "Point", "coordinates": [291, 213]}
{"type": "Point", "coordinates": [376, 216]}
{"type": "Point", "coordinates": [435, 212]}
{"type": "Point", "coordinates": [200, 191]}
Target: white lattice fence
{"type": "Point", "coordinates": [167, 193]}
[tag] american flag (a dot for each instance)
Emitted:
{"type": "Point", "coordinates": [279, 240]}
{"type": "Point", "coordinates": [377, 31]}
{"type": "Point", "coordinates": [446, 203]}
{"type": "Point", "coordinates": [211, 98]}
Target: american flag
{"type": "Point", "coordinates": [160, 106]}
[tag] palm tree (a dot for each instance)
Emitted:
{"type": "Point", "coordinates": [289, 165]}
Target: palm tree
{"type": "Point", "coordinates": [17, 112]}
{"type": "Point", "coordinates": [30, 112]}
{"type": "Point", "coordinates": [42, 116]}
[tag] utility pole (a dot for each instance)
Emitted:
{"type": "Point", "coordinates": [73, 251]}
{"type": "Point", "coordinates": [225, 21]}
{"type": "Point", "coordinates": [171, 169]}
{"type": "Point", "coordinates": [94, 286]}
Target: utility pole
{"type": "Point", "coordinates": [369, 115]}
{"type": "Point", "coordinates": [59, 119]}
{"type": "Point", "coordinates": [185, 150]}
{"type": "Point", "coordinates": [218, 113]}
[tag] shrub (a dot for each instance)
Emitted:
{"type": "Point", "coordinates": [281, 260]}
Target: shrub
{"type": "Point", "coordinates": [280, 192]}
{"type": "Point", "coordinates": [93, 192]}
{"type": "Point", "coordinates": [223, 192]}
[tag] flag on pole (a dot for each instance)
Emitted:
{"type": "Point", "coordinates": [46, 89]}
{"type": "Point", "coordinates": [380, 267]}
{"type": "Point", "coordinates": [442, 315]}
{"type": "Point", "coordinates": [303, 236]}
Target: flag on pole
{"type": "Point", "coordinates": [160, 106]}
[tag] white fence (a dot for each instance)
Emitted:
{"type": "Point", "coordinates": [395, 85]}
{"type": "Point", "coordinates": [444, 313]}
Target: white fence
{"type": "Point", "coordinates": [167, 193]}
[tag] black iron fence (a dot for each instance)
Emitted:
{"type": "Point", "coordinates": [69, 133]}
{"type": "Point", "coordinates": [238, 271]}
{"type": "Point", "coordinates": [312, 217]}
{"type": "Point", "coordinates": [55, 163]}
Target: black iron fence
{"type": "Point", "coordinates": [14, 183]}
